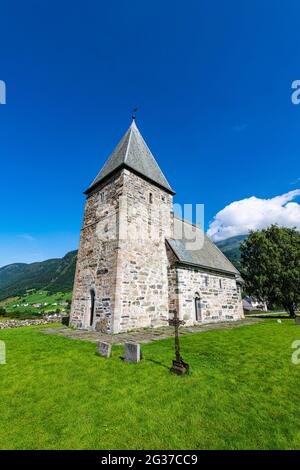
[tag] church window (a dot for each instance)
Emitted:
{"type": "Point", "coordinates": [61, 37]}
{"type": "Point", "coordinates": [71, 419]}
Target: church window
{"type": "Point", "coordinates": [92, 307]}
{"type": "Point", "coordinates": [102, 197]}
{"type": "Point", "coordinates": [197, 307]}
{"type": "Point", "coordinates": [206, 281]}
{"type": "Point", "coordinates": [150, 198]}
{"type": "Point", "coordinates": [220, 283]}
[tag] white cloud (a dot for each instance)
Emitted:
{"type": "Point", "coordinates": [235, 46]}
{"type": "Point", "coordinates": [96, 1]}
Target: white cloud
{"type": "Point", "coordinates": [239, 217]}
{"type": "Point", "coordinates": [296, 181]}
{"type": "Point", "coordinates": [27, 237]}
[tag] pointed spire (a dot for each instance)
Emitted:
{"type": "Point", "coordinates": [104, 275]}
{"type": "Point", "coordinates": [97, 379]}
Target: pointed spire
{"type": "Point", "coordinates": [133, 124]}
{"type": "Point", "coordinates": [133, 153]}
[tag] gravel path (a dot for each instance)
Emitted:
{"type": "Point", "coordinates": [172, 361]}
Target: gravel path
{"type": "Point", "coordinates": [146, 335]}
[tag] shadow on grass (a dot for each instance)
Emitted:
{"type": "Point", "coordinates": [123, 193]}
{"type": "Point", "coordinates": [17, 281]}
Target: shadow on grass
{"type": "Point", "coordinates": [257, 315]}
{"type": "Point", "coordinates": [158, 363]}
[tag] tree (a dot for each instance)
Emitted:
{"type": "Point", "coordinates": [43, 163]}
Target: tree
{"type": "Point", "coordinates": [271, 265]}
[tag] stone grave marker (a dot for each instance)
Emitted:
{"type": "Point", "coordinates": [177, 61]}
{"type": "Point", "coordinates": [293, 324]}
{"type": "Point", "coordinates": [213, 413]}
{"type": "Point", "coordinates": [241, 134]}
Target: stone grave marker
{"type": "Point", "coordinates": [104, 349]}
{"type": "Point", "coordinates": [132, 352]}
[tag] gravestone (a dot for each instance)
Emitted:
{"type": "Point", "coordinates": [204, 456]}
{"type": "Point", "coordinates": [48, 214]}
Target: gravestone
{"type": "Point", "coordinates": [104, 349]}
{"type": "Point", "coordinates": [132, 352]}
{"type": "Point", "coordinates": [297, 320]}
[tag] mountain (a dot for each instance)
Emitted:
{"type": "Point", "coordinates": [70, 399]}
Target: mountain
{"type": "Point", "coordinates": [57, 275]}
{"type": "Point", "coordinates": [231, 248]}
{"type": "Point", "coordinates": [53, 275]}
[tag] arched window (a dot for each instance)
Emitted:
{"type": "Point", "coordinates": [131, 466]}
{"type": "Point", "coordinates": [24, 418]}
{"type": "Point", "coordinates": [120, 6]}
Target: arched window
{"type": "Point", "coordinates": [150, 198]}
{"type": "Point", "coordinates": [92, 312]}
{"type": "Point", "coordinates": [197, 307]}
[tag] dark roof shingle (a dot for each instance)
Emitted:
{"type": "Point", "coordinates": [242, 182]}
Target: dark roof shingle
{"type": "Point", "coordinates": [207, 256]}
{"type": "Point", "coordinates": [132, 152]}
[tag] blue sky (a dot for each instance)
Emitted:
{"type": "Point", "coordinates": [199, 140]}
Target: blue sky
{"type": "Point", "coordinates": [212, 81]}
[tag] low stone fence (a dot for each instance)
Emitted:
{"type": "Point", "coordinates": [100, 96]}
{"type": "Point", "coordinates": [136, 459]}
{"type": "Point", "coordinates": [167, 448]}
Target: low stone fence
{"type": "Point", "coordinates": [18, 323]}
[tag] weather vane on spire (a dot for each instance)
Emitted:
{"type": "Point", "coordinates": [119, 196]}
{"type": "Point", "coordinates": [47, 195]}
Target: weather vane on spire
{"type": "Point", "coordinates": [134, 111]}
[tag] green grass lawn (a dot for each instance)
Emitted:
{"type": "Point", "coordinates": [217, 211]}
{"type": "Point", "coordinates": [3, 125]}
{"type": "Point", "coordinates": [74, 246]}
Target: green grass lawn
{"type": "Point", "coordinates": [243, 393]}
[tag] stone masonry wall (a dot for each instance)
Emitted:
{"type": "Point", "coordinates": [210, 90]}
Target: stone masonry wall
{"type": "Point", "coordinates": [142, 281]}
{"type": "Point", "coordinates": [220, 296]}
{"type": "Point", "coordinates": [97, 258]}
{"type": "Point", "coordinates": [172, 283]}
{"type": "Point", "coordinates": [122, 256]}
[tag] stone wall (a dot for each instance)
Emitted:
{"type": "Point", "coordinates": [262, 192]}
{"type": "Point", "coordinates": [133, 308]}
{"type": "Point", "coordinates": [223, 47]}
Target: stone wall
{"type": "Point", "coordinates": [142, 281]}
{"type": "Point", "coordinates": [97, 258]}
{"type": "Point", "coordinates": [122, 256]}
{"type": "Point", "coordinates": [220, 296]}
{"type": "Point", "coordinates": [6, 323]}
{"type": "Point", "coordinates": [172, 283]}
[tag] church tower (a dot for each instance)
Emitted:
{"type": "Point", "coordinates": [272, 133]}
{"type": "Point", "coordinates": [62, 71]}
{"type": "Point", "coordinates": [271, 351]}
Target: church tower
{"type": "Point", "coordinates": [121, 279]}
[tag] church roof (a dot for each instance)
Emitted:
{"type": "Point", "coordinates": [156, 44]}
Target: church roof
{"type": "Point", "coordinates": [133, 153]}
{"type": "Point", "coordinates": [207, 256]}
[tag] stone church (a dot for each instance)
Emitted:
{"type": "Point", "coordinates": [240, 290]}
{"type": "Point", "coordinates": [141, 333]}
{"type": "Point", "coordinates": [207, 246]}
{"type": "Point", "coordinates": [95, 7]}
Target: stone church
{"type": "Point", "coordinates": [133, 270]}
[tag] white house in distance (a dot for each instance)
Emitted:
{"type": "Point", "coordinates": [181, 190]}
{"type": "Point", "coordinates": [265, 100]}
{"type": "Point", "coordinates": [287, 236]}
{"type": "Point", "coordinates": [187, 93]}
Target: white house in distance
{"type": "Point", "coordinates": [250, 303]}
